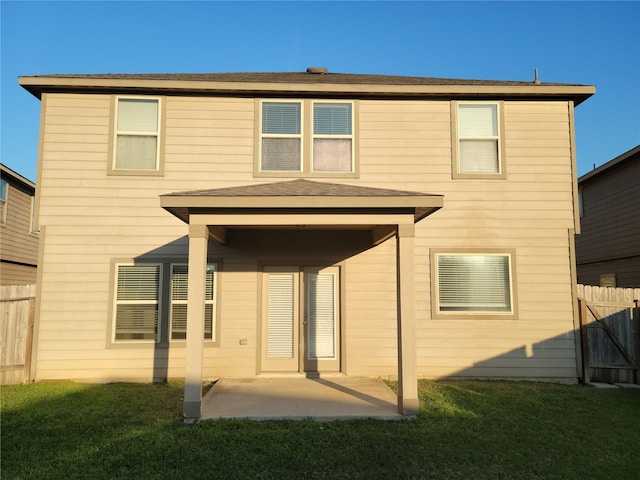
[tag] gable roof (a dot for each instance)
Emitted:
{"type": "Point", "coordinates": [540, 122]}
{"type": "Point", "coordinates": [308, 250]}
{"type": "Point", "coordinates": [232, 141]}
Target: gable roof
{"type": "Point", "coordinates": [301, 84]}
{"type": "Point", "coordinates": [630, 155]}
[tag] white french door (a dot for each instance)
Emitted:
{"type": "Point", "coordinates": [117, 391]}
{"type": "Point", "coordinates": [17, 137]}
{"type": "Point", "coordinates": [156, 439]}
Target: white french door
{"type": "Point", "coordinates": [301, 319]}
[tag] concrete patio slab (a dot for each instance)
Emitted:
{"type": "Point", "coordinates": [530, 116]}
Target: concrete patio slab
{"type": "Point", "coordinates": [298, 398]}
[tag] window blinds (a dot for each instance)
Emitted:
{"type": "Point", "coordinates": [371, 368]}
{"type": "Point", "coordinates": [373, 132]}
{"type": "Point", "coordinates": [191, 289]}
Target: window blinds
{"type": "Point", "coordinates": [474, 283]}
{"type": "Point", "coordinates": [321, 319]}
{"type": "Point", "coordinates": [280, 315]}
{"type": "Point", "coordinates": [478, 136]}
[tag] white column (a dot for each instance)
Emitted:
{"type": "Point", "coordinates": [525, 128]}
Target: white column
{"type": "Point", "coordinates": [408, 403]}
{"type": "Point", "coordinates": [198, 236]}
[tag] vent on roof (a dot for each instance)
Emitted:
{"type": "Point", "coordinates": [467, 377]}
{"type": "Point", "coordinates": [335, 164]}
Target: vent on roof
{"type": "Point", "coordinates": [317, 70]}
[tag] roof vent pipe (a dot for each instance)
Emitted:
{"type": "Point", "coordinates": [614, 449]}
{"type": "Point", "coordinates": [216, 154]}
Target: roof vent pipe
{"type": "Point", "coordinates": [536, 80]}
{"type": "Point", "coordinates": [317, 70]}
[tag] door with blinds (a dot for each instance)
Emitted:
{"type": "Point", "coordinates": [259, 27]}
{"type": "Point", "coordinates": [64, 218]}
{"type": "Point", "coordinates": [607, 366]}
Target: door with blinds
{"type": "Point", "coordinates": [301, 319]}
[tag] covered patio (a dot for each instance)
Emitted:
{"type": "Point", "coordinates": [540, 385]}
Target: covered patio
{"type": "Point", "coordinates": [309, 205]}
{"type": "Point", "coordinates": [321, 398]}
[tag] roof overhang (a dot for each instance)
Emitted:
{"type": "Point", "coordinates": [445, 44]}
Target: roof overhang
{"type": "Point", "coordinates": [294, 85]}
{"type": "Point", "coordinates": [302, 204]}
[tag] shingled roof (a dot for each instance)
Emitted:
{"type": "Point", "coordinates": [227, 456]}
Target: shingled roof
{"type": "Point", "coordinates": [300, 194]}
{"type": "Point", "coordinates": [297, 188]}
{"type": "Point", "coordinates": [301, 83]}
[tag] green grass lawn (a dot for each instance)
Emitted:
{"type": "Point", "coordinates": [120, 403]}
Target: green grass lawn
{"type": "Point", "coordinates": [465, 430]}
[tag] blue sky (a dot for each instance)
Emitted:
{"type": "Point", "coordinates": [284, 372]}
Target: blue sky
{"type": "Point", "coordinates": [592, 43]}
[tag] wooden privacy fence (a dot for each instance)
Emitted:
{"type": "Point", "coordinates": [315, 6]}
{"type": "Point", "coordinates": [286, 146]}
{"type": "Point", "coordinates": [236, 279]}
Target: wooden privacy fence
{"type": "Point", "coordinates": [610, 332]}
{"type": "Point", "coordinates": [17, 309]}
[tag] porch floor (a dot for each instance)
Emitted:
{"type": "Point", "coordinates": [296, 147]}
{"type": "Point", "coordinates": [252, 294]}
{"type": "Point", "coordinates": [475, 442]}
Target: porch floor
{"type": "Point", "coordinates": [297, 398]}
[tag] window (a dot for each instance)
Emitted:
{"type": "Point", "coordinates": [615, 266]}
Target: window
{"type": "Point", "coordinates": [4, 189]}
{"type": "Point", "coordinates": [137, 302]}
{"type": "Point", "coordinates": [608, 280]}
{"type": "Point", "coordinates": [473, 283]}
{"type": "Point", "coordinates": [179, 287]}
{"type": "Point", "coordinates": [137, 127]}
{"type": "Point", "coordinates": [477, 144]}
{"type": "Point", "coordinates": [281, 136]}
{"type": "Point", "coordinates": [332, 137]}
{"type": "Point", "coordinates": [306, 138]}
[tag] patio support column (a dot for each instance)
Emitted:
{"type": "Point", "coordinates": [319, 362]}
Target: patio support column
{"type": "Point", "coordinates": [408, 403]}
{"type": "Point", "coordinates": [198, 237]}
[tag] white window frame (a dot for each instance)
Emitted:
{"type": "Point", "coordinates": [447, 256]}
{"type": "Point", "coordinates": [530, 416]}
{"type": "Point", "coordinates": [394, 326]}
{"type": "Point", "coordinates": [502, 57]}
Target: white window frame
{"type": "Point", "coordinates": [208, 301]}
{"type": "Point", "coordinates": [480, 313]}
{"type": "Point", "coordinates": [157, 302]}
{"type": "Point", "coordinates": [458, 138]}
{"type": "Point", "coordinates": [114, 169]}
{"type": "Point", "coordinates": [315, 136]}
{"type": "Point", "coordinates": [307, 138]}
{"type": "Point", "coordinates": [299, 136]}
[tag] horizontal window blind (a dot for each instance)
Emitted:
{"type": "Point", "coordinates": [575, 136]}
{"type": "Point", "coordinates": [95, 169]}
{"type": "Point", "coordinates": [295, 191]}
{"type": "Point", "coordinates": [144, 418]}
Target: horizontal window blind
{"type": "Point", "coordinates": [281, 118]}
{"type": "Point", "coordinates": [468, 283]}
{"type": "Point", "coordinates": [332, 119]}
{"type": "Point", "coordinates": [477, 120]}
{"type": "Point", "coordinates": [137, 296]}
{"type": "Point", "coordinates": [179, 297]}
{"type": "Point", "coordinates": [137, 134]}
{"type": "Point", "coordinates": [321, 315]}
{"type": "Point", "coordinates": [478, 138]}
{"type": "Point", "coordinates": [138, 282]}
{"type": "Point", "coordinates": [280, 315]}
{"type": "Point", "coordinates": [137, 115]}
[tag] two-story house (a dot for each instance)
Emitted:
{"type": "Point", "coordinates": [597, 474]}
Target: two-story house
{"type": "Point", "coordinates": [238, 225]}
{"type": "Point", "coordinates": [608, 247]}
{"type": "Point", "coordinates": [18, 234]}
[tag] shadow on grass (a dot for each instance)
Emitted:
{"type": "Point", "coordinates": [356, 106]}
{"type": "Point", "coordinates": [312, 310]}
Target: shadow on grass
{"type": "Point", "coordinates": [465, 430]}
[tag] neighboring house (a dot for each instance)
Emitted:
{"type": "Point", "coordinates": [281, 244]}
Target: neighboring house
{"type": "Point", "coordinates": [18, 234]}
{"type": "Point", "coordinates": [305, 223]}
{"type": "Point", "coordinates": [608, 247]}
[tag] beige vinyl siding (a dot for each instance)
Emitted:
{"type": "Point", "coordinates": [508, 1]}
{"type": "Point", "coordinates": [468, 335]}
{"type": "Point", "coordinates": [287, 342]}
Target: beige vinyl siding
{"type": "Point", "coordinates": [94, 219]}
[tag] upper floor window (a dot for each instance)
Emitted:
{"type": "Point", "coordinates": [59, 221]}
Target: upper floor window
{"type": "Point", "coordinates": [306, 138]}
{"type": "Point", "coordinates": [137, 135]}
{"type": "Point", "coordinates": [4, 189]}
{"type": "Point", "coordinates": [477, 140]}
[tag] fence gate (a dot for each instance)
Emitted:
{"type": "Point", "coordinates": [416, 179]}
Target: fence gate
{"type": "Point", "coordinates": [610, 331]}
{"type": "Point", "coordinates": [17, 308]}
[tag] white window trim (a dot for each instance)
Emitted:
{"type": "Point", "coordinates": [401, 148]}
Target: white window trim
{"type": "Point", "coordinates": [117, 302]}
{"type": "Point", "coordinates": [282, 135]}
{"type": "Point", "coordinates": [478, 314]}
{"type": "Point", "coordinates": [306, 140]}
{"type": "Point", "coordinates": [211, 302]}
{"type": "Point", "coordinates": [114, 144]}
{"type": "Point", "coordinates": [456, 173]}
{"type": "Point", "coordinates": [350, 136]}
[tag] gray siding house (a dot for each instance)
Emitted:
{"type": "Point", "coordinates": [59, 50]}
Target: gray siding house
{"type": "Point", "coordinates": [18, 234]}
{"type": "Point", "coordinates": [608, 247]}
